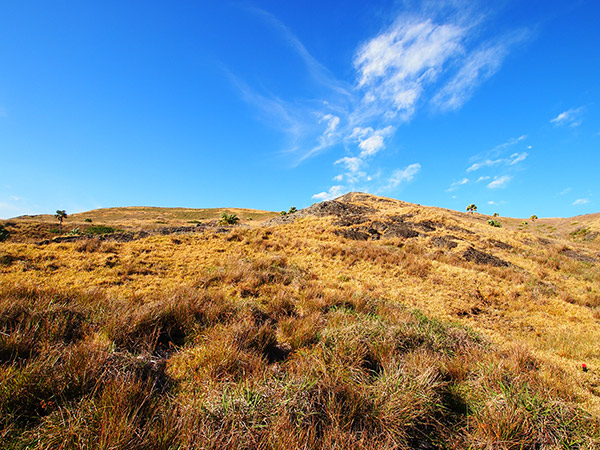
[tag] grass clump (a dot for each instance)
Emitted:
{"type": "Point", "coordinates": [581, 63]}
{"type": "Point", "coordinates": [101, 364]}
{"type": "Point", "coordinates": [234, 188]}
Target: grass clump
{"type": "Point", "coordinates": [228, 219]}
{"type": "Point", "coordinates": [95, 230]}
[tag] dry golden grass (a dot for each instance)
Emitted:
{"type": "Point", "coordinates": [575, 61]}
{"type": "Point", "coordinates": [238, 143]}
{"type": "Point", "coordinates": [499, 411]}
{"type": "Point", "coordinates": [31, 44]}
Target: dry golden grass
{"type": "Point", "coordinates": [291, 336]}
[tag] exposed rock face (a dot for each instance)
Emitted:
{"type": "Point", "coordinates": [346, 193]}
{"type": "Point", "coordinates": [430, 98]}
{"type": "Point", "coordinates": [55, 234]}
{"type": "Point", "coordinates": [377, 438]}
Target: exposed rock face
{"type": "Point", "coordinates": [444, 242]}
{"type": "Point", "coordinates": [479, 257]}
{"type": "Point", "coordinates": [500, 244]}
{"type": "Point", "coordinates": [578, 256]}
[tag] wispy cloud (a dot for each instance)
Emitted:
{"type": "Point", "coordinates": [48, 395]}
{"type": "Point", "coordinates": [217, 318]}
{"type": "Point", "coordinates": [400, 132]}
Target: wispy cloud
{"type": "Point", "coordinates": [581, 201]}
{"type": "Point", "coordinates": [571, 118]}
{"type": "Point", "coordinates": [494, 157]}
{"type": "Point", "coordinates": [351, 164]}
{"type": "Point", "coordinates": [317, 70]}
{"type": "Point", "coordinates": [455, 185]}
{"type": "Point", "coordinates": [404, 175]}
{"type": "Point", "coordinates": [500, 182]}
{"type": "Point", "coordinates": [434, 56]}
{"type": "Point", "coordinates": [565, 191]}
{"type": "Point", "coordinates": [515, 158]}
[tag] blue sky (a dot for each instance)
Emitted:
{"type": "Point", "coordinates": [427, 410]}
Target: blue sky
{"type": "Point", "coordinates": [269, 104]}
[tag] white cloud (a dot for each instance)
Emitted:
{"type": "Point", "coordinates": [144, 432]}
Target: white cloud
{"type": "Point", "coordinates": [486, 163]}
{"type": "Point", "coordinates": [403, 175]}
{"type": "Point", "coordinates": [332, 124]}
{"type": "Point", "coordinates": [339, 177]}
{"type": "Point", "coordinates": [581, 201]}
{"type": "Point", "coordinates": [371, 141]}
{"type": "Point", "coordinates": [455, 185]}
{"type": "Point", "coordinates": [395, 66]}
{"type": "Point", "coordinates": [480, 179]}
{"type": "Point", "coordinates": [491, 202]}
{"type": "Point", "coordinates": [570, 117]}
{"type": "Point", "coordinates": [334, 192]}
{"type": "Point", "coordinates": [499, 182]}
{"type": "Point", "coordinates": [371, 145]}
{"type": "Point", "coordinates": [516, 158]}
{"type": "Point", "coordinates": [350, 163]}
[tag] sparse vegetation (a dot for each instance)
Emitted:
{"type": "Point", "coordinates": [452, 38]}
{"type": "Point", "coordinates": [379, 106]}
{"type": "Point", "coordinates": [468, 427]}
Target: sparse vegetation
{"type": "Point", "coordinates": [494, 223]}
{"type": "Point", "coordinates": [533, 218]}
{"type": "Point", "coordinates": [472, 208]}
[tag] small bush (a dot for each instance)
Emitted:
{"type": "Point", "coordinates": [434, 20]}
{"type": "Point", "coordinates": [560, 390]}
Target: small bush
{"type": "Point", "coordinates": [88, 220]}
{"type": "Point", "coordinates": [228, 219]}
{"type": "Point", "coordinates": [494, 223]}
{"type": "Point", "coordinates": [98, 229]}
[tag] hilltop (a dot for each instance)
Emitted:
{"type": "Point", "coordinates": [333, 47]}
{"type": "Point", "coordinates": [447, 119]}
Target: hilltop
{"type": "Point", "coordinates": [360, 322]}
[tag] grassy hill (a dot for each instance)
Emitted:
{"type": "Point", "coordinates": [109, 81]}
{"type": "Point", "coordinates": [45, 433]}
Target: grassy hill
{"type": "Point", "coordinates": [363, 323]}
{"type": "Point", "coordinates": [133, 218]}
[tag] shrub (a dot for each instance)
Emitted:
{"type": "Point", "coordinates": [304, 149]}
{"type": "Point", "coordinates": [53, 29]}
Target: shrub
{"type": "Point", "coordinates": [88, 220]}
{"type": "Point", "coordinates": [494, 223]}
{"type": "Point", "coordinates": [228, 219]}
{"type": "Point", "coordinates": [99, 229]}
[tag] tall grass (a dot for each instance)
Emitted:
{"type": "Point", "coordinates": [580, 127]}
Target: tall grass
{"type": "Point", "coordinates": [209, 368]}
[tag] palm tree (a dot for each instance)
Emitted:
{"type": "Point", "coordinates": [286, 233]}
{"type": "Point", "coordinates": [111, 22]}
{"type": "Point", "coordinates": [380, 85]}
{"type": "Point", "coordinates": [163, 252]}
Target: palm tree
{"type": "Point", "coordinates": [472, 208]}
{"type": "Point", "coordinates": [60, 215]}
{"type": "Point", "coordinates": [533, 218]}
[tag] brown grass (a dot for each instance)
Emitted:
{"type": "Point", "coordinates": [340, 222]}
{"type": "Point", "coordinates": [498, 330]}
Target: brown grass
{"type": "Point", "coordinates": [293, 337]}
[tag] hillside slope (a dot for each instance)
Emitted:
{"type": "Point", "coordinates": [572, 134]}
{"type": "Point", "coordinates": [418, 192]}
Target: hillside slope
{"type": "Point", "coordinates": [361, 322]}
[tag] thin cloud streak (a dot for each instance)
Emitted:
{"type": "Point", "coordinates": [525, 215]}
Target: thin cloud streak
{"type": "Point", "coordinates": [570, 117]}
{"type": "Point", "coordinates": [581, 201]}
{"type": "Point", "coordinates": [500, 182]}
